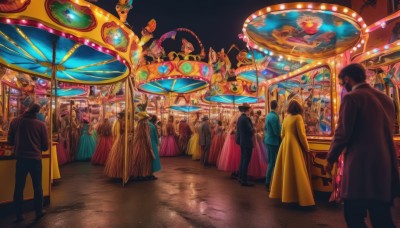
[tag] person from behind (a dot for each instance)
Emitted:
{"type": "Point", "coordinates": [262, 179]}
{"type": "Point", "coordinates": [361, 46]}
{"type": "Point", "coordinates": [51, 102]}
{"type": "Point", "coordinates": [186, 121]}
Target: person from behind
{"type": "Point", "coordinates": [364, 134]}
{"type": "Point", "coordinates": [29, 137]}
{"type": "Point", "coordinates": [272, 139]}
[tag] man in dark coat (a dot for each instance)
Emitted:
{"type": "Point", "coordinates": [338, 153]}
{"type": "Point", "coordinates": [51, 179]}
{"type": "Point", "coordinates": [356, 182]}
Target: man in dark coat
{"type": "Point", "coordinates": [244, 138]}
{"type": "Point", "coordinates": [29, 137]}
{"type": "Point", "coordinates": [205, 139]}
{"type": "Point", "coordinates": [364, 134]}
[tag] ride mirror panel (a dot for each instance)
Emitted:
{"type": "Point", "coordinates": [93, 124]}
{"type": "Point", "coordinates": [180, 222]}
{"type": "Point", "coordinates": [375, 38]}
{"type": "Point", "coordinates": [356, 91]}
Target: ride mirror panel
{"type": "Point", "coordinates": [303, 33]}
{"type": "Point", "coordinates": [312, 90]}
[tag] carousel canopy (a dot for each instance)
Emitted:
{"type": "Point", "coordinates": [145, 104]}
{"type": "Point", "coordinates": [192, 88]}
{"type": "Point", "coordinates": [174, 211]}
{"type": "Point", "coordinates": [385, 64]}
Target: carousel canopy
{"type": "Point", "coordinates": [91, 46]}
{"type": "Point", "coordinates": [185, 108]}
{"type": "Point", "coordinates": [71, 92]}
{"type": "Point", "coordinates": [304, 30]}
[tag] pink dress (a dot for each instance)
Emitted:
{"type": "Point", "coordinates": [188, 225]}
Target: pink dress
{"type": "Point", "coordinates": [230, 155]}
{"type": "Point", "coordinates": [104, 144]}
{"type": "Point", "coordinates": [169, 147]}
{"type": "Point", "coordinates": [258, 163]}
{"type": "Point", "coordinates": [63, 152]}
{"type": "Point", "coordinates": [217, 143]}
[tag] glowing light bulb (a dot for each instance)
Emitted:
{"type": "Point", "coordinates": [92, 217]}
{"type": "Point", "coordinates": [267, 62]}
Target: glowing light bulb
{"type": "Point", "coordinates": [345, 10]}
{"type": "Point", "coordinates": [334, 8]}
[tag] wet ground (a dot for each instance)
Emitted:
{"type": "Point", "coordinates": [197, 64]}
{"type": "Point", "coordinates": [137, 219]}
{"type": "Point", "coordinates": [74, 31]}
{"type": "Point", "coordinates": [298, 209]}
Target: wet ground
{"type": "Point", "coordinates": [185, 195]}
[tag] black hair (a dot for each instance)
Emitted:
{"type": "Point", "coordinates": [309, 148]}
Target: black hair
{"type": "Point", "coordinates": [294, 108]}
{"type": "Point", "coordinates": [274, 104]}
{"type": "Point", "coordinates": [219, 123]}
{"type": "Point", "coordinates": [354, 71]}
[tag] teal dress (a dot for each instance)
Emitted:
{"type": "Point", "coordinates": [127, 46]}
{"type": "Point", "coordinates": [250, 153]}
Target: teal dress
{"type": "Point", "coordinates": [156, 164]}
{"type": "Point", "coordinates": [87, 145]}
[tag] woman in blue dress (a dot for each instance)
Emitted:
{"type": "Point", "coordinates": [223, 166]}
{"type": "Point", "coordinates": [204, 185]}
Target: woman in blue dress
{"type": "Point", "coordinates": [154, 138]}
{"type": "Point", "coordinates": [87, 143]}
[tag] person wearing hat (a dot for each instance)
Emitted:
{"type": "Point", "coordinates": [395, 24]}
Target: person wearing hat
{"type": "Point", "coordinates": [205, 139]}
{"type": "Point", "coordinates": [29, 137]}
{"type": "Point", "coordinates": [244, 138]}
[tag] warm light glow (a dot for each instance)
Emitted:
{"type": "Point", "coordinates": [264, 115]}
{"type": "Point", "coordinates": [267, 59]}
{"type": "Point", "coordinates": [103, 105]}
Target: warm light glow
{"type": "Point", "coordinates": [299, 6]}
{"type": "Point", "coordinates": [268, 9]}
{"type": "Point", "coordinates": [282, 7]}
{"type": "Point", "coordinates": [310, 6]}
{"type": "Point", "coordinates": [334, 8]}
{"type": "Point", "coordinates": [345, 10]}
{"type": "Point", "coordinates": [323, 7]}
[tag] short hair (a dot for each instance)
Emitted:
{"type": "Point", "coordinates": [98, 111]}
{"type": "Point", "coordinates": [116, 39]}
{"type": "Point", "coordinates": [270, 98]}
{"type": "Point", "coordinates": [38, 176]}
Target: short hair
{"type": "Point", "coordinates": [294, 108]}
{"type": "Point", "coordinates": [259, 112]}
{"type": "Point", "coordinates": [35, 108]}
{"type": "Point", "coordinates": [354, 71]}
{"type": "Point", "coordinates": [153, 119]}
{"type": "Point", "coordinates": [274, 104]}
{"type": "Point", "coordinates": [219, 123]}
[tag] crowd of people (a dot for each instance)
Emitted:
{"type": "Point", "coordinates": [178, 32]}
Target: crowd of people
{"type": "Point", "coordinates": [249, 145]}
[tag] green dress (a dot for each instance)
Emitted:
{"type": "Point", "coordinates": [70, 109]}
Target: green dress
{"type": "Point", "coordinates": [156, 164]}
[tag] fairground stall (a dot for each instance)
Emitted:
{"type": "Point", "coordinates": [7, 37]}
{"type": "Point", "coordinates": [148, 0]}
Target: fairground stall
{"type": "Point", "coordinates": [52, 39]}
{"type": "Point", "coordinates": [320, 35]}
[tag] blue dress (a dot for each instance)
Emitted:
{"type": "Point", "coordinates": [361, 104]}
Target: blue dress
{"type": "Point", "coordinates": [87, 145]}
{"type": "Point", "coordinates": [156, 164]}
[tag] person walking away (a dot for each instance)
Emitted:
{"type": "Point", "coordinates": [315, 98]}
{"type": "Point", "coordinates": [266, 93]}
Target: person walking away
{"type": "Point", "coordinates": [205, 139]}
{"type": "Point", "coordinates": [29, 137]}
{"type": "Point", "coordinates": [290, 180]}
{"type": "Point", "coordinates": [364, 135]}
{"type": "Point", "coordinates": [272, 139]}
{"type": "Point", "coordinates": [244, 138]}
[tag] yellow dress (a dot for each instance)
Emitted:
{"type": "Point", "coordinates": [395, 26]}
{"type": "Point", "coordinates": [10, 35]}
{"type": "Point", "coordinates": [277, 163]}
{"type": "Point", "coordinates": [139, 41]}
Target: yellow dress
{"type": "Point", "coordinates": [290, 181]}
{"type": "Point", "coordinates": [194, 144]}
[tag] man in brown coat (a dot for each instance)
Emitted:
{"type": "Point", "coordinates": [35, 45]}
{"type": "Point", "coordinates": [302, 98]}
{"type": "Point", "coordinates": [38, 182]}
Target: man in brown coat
{"type": "Point", "coordinates": [364, 134]}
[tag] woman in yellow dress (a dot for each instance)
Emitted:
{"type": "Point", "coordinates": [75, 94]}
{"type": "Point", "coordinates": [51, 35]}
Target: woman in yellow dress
{"type": "Point", "coordinates": [291, 181]}
{"type": "Point", "coordinates": [194, 147]}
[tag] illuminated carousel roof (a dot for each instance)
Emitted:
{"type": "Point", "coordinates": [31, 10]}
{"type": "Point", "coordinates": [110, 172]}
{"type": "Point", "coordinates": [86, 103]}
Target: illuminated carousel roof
{"type": "Point", "coordinates": [236, 92]}
{"type": "Point", "coordinates": [185, 108]}
{"type": "Point", "coordinates": [91, 46]}
{"type": "Point", "coordinates": [304, 30]}
{"type": "Point", "coordinates": [70, 92]}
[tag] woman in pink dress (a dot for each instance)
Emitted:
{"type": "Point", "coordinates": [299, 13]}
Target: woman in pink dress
{"type": "Point", "coordinates": [169, 147]}
{"type": "Point", "coordinates": [217, 143]}
{"type": "Point", "coordinates": [104, 144]}
{"type": "Point", "coordinates": [63, 148]}
{"type": "Point", "coordinates": [258, 163]}
{"type": "Point", "coordinates": [229, 160]}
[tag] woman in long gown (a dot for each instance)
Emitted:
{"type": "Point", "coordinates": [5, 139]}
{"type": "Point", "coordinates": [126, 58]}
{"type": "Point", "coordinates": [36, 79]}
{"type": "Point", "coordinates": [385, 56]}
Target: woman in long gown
{"type": "Point", "coordinates": [73, 146]}
{"type": "Point", "coordinates": [104, 144]}
{"type": "Point", "coordinates": [217, 143]}
{"type": "Point", "coordinates": [63, 149]}
{"type": "Point", "coordinates": [140, 151]}
{"type": "Point", "coordinates": [87, 143]}
{"type": "Point", "coordinates": [258, 161]}
{"type": "Point", "coordinates": [169, 147]}
{"type": "Point", "coordinates": [115, 162]}
{"type": "Point", "coordinates": [290, 180]}
{"type": "Point", "coordinates": [156, 164]}
{"type": "Point", "coordinates": [229, 160]}
{"type": "Point", "coordinates": [194, 147]}
{"type": "Point", "coordinates": [184, 136]}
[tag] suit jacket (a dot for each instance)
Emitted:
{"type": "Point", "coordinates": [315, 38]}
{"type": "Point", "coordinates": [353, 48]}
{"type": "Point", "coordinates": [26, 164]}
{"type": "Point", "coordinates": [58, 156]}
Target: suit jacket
{"type": "Point", "coordinates": [365, 131]}
{"type": "Point", "coordinates": [272, 129]}
{"type": "Point", "coordinates": [244, 131]}
{"type": "Point", "coordinates": [205, 134]}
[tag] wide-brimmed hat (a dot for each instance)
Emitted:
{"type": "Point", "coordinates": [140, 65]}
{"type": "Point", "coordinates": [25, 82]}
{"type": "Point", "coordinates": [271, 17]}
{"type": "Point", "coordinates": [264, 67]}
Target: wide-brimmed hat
{"type": "Point", "coordinates": [205, 117]}
{"type": "Point", "coordinates": [244, 107]}
{"type": "Point", "coordinates": [143, 115]}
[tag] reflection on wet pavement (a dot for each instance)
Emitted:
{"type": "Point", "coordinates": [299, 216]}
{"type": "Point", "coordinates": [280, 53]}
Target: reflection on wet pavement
{"type": "Point", "coordinates": [185, 195]}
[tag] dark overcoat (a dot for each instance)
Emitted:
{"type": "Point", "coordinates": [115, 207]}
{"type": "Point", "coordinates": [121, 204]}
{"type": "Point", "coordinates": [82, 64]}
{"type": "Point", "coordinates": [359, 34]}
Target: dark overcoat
{"type": "Point", "coordinates": [364, 134]}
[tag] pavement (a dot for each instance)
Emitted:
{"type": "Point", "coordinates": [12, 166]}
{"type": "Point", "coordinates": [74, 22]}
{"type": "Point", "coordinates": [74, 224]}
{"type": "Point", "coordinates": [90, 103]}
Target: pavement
{"type": "Point", "coordinates": [186, 194]}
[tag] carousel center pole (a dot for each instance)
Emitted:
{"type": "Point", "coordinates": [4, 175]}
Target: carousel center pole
{"type": "Point", "coordinates": [53, 77]}
{"type": "Point", "coordinates": [255, 66]}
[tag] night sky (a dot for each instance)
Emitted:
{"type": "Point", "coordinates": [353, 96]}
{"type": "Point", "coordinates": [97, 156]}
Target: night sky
{"type": "Point", "coordinates": [216, 22]}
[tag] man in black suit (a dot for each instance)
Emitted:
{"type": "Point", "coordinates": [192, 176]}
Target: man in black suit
{"type": "Point", "coordinates": [244, 138]}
